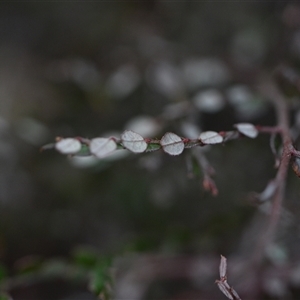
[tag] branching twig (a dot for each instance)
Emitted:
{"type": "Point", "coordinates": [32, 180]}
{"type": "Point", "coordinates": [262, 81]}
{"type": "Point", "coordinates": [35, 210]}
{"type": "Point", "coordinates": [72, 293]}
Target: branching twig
{"type": "Point", "coordinates": [269, 90]}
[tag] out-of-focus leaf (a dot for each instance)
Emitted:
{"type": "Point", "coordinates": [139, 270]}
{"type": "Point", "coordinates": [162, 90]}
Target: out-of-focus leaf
{"type": "Point", "coordinates": [296, 165]}
{"type": "Point", "coordinates": [84, 161]}
{"type": "Point", "coordinates": [247, 129]}
{"type": "Point", "coordinates": [246, 104]}
{"type": "Point", "coordinates": [249, 46]}
{"type": "Point", "coordinates": [48, 146]}
{"type": "Point", "coordinates": [166, 79]}
{"type": "Point", "coordinates": [223, 267]}
{"type": "Point", "coordinates": [101, 279]}
{"type": "Point", "coordinates": [102, 147]}
{"type": "Point", "coordinates": [210, 137]}
{"type": "Point", "coordinates": [144, 125]}
{"type": "Point", "coordinates": [84, 151]}
{"type": "Point", "coordinates": [68, 146]}
{"type": "Point", "coordinates": [172, 143]}
{"type": "Point", "coordinates": [55, 267]}
{"type": "Point", "coordinates": [32, 131]}
{"type": "Point", "coordinates": [205, 72]}
{"type": "Point", "coordinates": [176, 110]}
{"type": "Point", "coordinates": [28, 264]}
{"type": "Point", "coordinates": [123, 82]}
{"type": "Point", "coordinates": [85, 256]}
{"type": "Point", "coordinates": [239, 95]}
{"type": "Point", "coordinates": [268, 192]}
{"type": "Point", "coordinates": [190, 130]}
{"type": "Point", "coordinates": [210, 101]}
{"type": "Point", "coordinates": [230, 135]}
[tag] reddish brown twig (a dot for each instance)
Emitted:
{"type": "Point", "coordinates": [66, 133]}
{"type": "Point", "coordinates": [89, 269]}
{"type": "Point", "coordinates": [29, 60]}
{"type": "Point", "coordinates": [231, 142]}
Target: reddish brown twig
{"type": "Point", "coordinates": [270, 90]}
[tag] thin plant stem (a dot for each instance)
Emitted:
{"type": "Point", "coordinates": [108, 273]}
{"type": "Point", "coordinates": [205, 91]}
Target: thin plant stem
{"type": "Point", "coordinates": [270, 90]}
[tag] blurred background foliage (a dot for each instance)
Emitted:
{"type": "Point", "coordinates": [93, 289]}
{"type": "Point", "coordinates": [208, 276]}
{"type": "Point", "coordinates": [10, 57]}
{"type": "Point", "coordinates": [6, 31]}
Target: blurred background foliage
{"type": "Point", "coordinates": [96, 68]}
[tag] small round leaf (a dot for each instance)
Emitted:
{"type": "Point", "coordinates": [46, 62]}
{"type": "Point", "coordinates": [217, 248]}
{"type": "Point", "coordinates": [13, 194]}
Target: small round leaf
{"type": "Point", "coordinates": [68, 146]}
{"type": "Point", "coordinates": [102, 147]}
{"type": "Point", "coordinates": [210, 138]}
{"type": "Point", "coordinates": [247, 129]}
{"type": "Point", "coordinates": [172, 143]}
{"type": "Point", "coordinates": [209, 101]}
{"type": "Point", "coordinates": [268, 192]}
{"type": "Point", "coordinates": [133, 141]}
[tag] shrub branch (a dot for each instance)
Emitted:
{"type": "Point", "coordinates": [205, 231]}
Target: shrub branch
{"type": "Point", "coordinates": [272, 93]}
